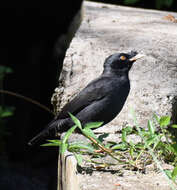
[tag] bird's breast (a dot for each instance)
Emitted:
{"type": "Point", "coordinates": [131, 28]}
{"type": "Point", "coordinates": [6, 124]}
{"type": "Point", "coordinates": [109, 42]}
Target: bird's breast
{"type": "Point", "coordinates": [115, 100]}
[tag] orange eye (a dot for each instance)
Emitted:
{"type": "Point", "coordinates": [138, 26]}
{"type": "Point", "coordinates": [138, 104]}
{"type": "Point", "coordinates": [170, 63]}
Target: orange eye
{"type": "Point", "coordinates": [123, 58]}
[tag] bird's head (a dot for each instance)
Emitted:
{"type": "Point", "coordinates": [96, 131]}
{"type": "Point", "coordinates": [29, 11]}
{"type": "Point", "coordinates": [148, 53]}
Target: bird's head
{"type": "Point", "coordinates": [121, 62]}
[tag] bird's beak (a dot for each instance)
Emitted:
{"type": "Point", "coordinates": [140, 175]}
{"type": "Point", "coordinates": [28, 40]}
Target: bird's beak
{"type": "Point", "coordinates": [136, 57]}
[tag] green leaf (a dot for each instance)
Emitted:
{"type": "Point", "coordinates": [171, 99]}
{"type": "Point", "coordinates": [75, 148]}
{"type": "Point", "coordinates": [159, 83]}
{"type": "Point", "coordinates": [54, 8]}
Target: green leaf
{"type": "Point", "coordinates": [151, 127]}
{"type": "Point", "coordinates": [108, 145]}
{"type": "Point", "coordinates": [63, 147]}
{"type": "Point", "coordinates": [5, 70]}
{"type": "Point", "coordinates": [129, 2]}
{"type": "Point", "coordinates": [52, 143]}
{"type": "Point", "coordinates": [78, 158]}
{"type": "Point", "coordinates": [124, 136]}
{"type": "Point", "coordinates": [168, 173]}
{"type": "Point", "coordinates": [157, 141]}
{"type": "Point", "coordinates": [128, 129]}
{"type": "Point", "coordinates": [174, 174]}
{"type": "Point", "coordinates": [164, 121]}
{"type": "Point", "coordinates": [174, 126]}
{"type": "Point", "coordinates": [139, 146]}
{"type": "Point", "coordinates": [8, 70]}
{"type": "Point", "coordinates": [120, 146]}
{"type": "Point", "coordinates": [174, 146]}
{"type": "Point", "coordinates": [56, 141]}
{"type": "Point", "coordinates": [6, 112]}
{"type": "Point", "coordinates": [145, 133]}
{"type": "Point", "coordinates": [156, 117]}
{"type": "Point", "coordinates": [131, 151]}
{"type": "Point", "coordinates": [167, 147]}
{"type": "Point", "coordinates": [131, 144]}
{"type": "Point", "coordinates": [152, 140]}
{"type": "Point", "coordinates": [168, 3]}
{"type": "Point", "coordinates": [125, 132]}
{"type": "Point", "coordinates": [77, 145]}
{"type": "Point", "coordinates": [68, 134]}
{"type": "Point", "coordinates": [92, 125]}
{"type": "Point", "coordinates": [102, 136]}
{"type": "Point", "coordinates": [76, 121]}
{"type": "Point", "coordinates": [89, 132]}
{"type": "Point", "coordinates": [64, 144]}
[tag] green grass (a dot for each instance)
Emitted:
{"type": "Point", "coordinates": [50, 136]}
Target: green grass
{"type": "Point", "coordinates": [156, 145]}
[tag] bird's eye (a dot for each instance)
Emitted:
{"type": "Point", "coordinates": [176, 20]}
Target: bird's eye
{"type": "Point", "coordinates": [123, 58]}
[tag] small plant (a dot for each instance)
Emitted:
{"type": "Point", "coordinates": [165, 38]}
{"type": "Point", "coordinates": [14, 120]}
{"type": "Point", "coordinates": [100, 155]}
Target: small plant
{"type": "Point", "coordinates": [167, 142]}
{"type": "Point", "coordinates": [156, 144]}
{"type": "Point", "coordinates": [5, 111]}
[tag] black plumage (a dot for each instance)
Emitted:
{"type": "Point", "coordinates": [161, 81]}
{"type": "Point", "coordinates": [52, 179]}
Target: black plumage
{"type": "Point", "coordinates": [101, 100]}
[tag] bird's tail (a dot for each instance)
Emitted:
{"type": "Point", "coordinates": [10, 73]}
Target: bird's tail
{"type": "Point", "coordinates": [52, 129]}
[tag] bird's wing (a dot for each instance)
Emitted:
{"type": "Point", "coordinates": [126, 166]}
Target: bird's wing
{"type": "Point", "coordinates": [50, 131]}
{"type": "Point", "coordinates": [94, 91]}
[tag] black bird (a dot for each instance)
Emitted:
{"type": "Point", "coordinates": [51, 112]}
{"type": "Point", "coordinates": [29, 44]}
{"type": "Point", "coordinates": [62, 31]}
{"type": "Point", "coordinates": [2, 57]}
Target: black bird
{"type": "Point", "coordinates": [101, 100]}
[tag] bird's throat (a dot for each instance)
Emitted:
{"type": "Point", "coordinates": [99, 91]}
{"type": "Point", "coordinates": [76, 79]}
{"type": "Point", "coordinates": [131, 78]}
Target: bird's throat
{"type": "Point", "coordinates": [115, 72]}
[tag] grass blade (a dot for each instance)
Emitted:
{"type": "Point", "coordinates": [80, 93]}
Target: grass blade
{"type": "Point", "coordinates": [151, 151]}
{"type": "Point", "coordinates": [68, 133]}
{"type": "Point", "coordinates": [174, 173]}
{"type": "Point", "coordinates": [92, 125]}
{"type": "Point", "coordinates": [76, 121]}
{"type": "Point", "coordinates": [164, 121]}
{"type": "Point", "coordinates": [64, 144]}
{"type": "Point", "coordinates": [63, 147]}
{"type": "Point", "coordinates": [151, 127]}
{"type": "Point", "coordinates": [78, 158]}
{"type": "Point", "coordinates": [81, 146]}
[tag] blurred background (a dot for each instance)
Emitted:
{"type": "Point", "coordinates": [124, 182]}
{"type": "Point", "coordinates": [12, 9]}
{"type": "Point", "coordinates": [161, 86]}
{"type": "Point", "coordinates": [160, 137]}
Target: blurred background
{"type": "Point", "coordinates": [168, 5]}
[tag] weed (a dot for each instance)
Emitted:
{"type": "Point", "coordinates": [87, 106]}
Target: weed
{"type": "Point", "coordinates": [155, 144]}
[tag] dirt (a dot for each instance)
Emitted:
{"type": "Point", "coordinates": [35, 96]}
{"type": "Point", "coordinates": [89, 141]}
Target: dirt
{"type": "Point", "coordinates": [105, 180]}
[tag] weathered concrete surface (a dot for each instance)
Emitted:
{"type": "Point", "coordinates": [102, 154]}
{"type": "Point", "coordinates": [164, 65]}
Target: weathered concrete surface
{"type": "Point", "coordinates": [107, 29]}
{"type": "Point", "coordinates": [67, 173]}
{"type": "Point", "coordinates": [112, 178]}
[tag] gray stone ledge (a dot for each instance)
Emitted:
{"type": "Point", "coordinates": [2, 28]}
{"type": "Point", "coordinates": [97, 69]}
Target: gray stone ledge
{"type": "Point", "coordinates": [107, 29]}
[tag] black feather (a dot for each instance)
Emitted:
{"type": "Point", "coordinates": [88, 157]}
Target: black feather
{"type": "Point", "coordinates": [100, 100]}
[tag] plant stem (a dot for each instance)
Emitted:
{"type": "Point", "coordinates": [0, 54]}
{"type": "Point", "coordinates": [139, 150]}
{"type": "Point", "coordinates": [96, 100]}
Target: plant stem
{"type": "Point", "coordinates": [151, 152]}
{"type": "Point", "coordinates": [27, 99]}
{"type": "Point", "coordinates": [108, 151]}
